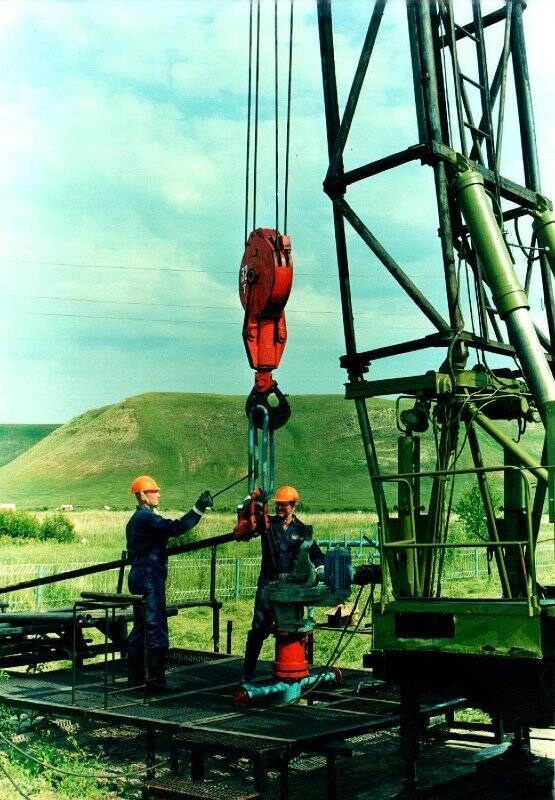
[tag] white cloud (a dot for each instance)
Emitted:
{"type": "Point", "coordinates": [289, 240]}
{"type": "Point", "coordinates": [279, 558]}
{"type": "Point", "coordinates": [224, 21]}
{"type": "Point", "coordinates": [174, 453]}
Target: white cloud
{"type": "Point", "coordinates": [123, 142]}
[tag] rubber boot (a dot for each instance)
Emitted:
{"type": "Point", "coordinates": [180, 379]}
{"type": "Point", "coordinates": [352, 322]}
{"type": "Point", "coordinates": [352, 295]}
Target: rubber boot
{"type": "Point", "coordinates": [252, 651]}
{"type": "Point", "coordinates": [156, 682]}
{"type": "Point", "coordinates": [135, 669]}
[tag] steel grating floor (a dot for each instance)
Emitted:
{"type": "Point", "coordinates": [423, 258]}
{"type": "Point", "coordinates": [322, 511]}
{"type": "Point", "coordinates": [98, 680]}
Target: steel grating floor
{"type": "Point", "coordinates": [204, 703]}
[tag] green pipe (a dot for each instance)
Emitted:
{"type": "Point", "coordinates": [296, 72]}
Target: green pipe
{"type": "Point", "coordinates": [506, 442]}
{"type": "Point", "coordinates": [508, 294]}
{"type": "Point", "coordinates": [545, 230]}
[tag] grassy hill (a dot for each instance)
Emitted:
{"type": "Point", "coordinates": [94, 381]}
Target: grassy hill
{"type": "Point", "coordinates": [193, 441]}
{"type": "Point", "coordinates": [15, 439]}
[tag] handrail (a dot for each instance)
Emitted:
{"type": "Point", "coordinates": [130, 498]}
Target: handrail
{"type": "Point", "coordinates": [529, 569]}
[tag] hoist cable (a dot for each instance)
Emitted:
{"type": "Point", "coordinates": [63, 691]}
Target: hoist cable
{"type": "Point", "coordinates": [288, 126]}
{"type": "Point", "coordinates": [257, 84]}
{"type": "Point", "coordinates": [276, 121]}
{"type": "Point", "coordinates": [249, 104]}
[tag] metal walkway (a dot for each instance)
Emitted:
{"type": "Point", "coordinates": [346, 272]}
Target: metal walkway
{"type": "Point", "coordinates": [200, 717]}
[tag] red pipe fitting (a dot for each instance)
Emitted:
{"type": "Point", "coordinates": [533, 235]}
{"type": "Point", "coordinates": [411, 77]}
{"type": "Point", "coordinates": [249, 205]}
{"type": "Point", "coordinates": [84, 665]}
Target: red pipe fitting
{"type": "Point", "coordinates": [290, 662]}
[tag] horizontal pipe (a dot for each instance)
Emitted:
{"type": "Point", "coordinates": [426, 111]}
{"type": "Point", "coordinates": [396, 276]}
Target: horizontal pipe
{"type": "Point", "coordinates": [449, 545]}
{"type": "Point", "coordinates": [190, 547]}
{"type": "Point", "coordinates": [287, 687]}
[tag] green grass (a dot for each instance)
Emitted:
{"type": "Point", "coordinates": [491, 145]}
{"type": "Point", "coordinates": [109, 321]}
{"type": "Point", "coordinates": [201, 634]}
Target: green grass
{"type": "Point", "coordinates": [16, 439]}
{"type": "Point", "coordinates": [191, 441]}
{"type": "Point", "coordinates": [100, 537]}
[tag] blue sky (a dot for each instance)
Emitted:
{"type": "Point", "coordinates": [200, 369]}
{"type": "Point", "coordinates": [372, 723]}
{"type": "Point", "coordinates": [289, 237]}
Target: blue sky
{"type": "Point", "coordinates": [122, 146]}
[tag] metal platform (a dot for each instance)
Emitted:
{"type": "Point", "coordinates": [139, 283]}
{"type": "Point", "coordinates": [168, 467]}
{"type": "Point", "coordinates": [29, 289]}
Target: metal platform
{"type": "Point", "coordinates": [200, 717]}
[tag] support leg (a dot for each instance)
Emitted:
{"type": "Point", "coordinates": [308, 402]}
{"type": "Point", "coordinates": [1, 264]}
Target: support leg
{"type": "Point", "coordinates": [410, 738]}
{"type": "Point", "coordinates": [150, 754]}
{"type": "Point", "coordinates": [174, 758]}
{"type": "Point", "coordinates": [197, 764]}
{"type": "Point", "coordinates": [260, 773]}
{"type": "Point", "coordinates": [331, 776]}
{"type": "Point", "coordinates": [284, 779]}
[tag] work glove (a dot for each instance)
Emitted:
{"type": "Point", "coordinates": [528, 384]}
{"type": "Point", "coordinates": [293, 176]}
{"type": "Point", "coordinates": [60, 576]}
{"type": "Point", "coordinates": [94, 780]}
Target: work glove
{"type": "Point", "coordinates": [243, 531]}
{"type": "Point", "coordinates": [205, 501]}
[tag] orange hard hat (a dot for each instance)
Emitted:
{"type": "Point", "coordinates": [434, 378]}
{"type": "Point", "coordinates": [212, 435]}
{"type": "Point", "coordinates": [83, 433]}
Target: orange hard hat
{"type": "Point", "coordinates": [287, 494]}
{"type": "Point", "coordinates": [144, 483]}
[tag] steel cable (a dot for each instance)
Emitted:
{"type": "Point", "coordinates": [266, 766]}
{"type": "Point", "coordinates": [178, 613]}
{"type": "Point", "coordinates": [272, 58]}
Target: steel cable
{"type": "Point", "coordinates": [276, 115]}
{"type": "Point", "coordinates": [256, 104]}
{"type": "Point", "coordinates": [249, 105]}
{"type": "Point", "coordinates": [125, 774]}
{"type": "Point", "coordinates": [288, 125]}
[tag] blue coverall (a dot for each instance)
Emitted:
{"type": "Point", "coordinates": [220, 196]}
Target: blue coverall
{"type": "Point", "coordinates": [280, 548]}
{"type": "Point", "coordinates": [147, 535]}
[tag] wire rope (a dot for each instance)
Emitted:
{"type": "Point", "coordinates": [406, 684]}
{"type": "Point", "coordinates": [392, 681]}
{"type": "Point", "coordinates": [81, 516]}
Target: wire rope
{"type": "Point", "coordinates": [276, 119]}
{"type": "Point", "coordinates": [256, 110]}
{"type": "Point", "coordinates": [288, 124]}
{"type": "Point", "coordinates": [249, 106]}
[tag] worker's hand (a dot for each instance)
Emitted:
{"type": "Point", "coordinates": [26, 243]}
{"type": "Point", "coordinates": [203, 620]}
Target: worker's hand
{"type": "Point", "coordinates": [243, 530]}
{"type": "Point", "coordinates": [205, 501]}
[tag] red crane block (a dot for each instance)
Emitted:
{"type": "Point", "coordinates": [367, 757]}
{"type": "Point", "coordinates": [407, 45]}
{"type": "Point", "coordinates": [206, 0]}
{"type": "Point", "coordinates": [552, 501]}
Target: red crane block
{"type": "Point", "coordinates": [265, 280]}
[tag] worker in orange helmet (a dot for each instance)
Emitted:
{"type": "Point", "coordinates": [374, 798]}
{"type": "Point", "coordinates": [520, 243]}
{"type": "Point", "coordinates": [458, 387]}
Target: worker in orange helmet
{"type": "Point", "coordinates": [147, 534]}
{"type": "Point", "coordinates": [281, 543]}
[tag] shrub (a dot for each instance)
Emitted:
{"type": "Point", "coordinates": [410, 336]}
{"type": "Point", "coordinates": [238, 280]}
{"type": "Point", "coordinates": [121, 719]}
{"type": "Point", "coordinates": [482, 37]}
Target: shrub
{"type": "Point", "coordinates": [19, 525]}
{"type": "Point", "coordinates": [471, 511]}
{"type": "Point", "coordinates": [57, 527]}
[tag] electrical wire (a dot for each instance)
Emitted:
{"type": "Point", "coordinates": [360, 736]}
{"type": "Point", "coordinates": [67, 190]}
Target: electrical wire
{"type": "Point", "coordinates": [177, 305]}
{"type": "Point", "coordinates": [17, 788]}
{"type": "Point", "coordinates": [191, 322]}
{"type": "Point", "coordinates": [125, 774]}
{"type": "Point", "coordinates": [337, 651]}
{"type": "Point", "coordinates": [131, 267]}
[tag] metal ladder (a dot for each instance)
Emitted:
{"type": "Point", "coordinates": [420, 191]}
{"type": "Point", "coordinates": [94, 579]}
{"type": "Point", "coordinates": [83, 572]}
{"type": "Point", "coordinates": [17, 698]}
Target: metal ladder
{"type": "Point", "coordinates": [483, 131]}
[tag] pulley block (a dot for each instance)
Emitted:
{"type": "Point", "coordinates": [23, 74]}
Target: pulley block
{"type": "Point", "coordinates": [265, 279]}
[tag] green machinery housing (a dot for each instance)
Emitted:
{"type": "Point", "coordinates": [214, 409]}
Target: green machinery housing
{"type": "Point", "coordinates": [496, 651]}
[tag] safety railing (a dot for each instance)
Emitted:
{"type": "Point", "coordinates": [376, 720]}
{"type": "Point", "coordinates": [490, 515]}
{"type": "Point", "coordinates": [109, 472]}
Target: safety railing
{"type": "Point", "coordinates": [386, 545]}
{"type": "Point", "coordinates": [236, 578]}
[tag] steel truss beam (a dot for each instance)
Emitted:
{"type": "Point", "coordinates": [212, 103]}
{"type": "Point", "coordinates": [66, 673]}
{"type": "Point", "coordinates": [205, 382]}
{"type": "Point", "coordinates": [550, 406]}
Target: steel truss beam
{"type": "Point", "coordinates": [435, 35]}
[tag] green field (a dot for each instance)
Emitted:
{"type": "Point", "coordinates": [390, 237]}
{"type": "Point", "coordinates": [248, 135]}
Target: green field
{"type": "Point", "coordinates": [193, 441]}
{"type": "Point", "coordinates": [100, 537]}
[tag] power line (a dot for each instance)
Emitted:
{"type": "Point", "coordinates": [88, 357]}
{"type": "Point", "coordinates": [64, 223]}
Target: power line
{"type": "Point", "coordinates": [148, 269]}
{"type": "Point", "coordinates": [179, 305]}
{"type": "Point", "coordinates": [175, 321]}
{"type": "Point", "coordinates": [191, 270]}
